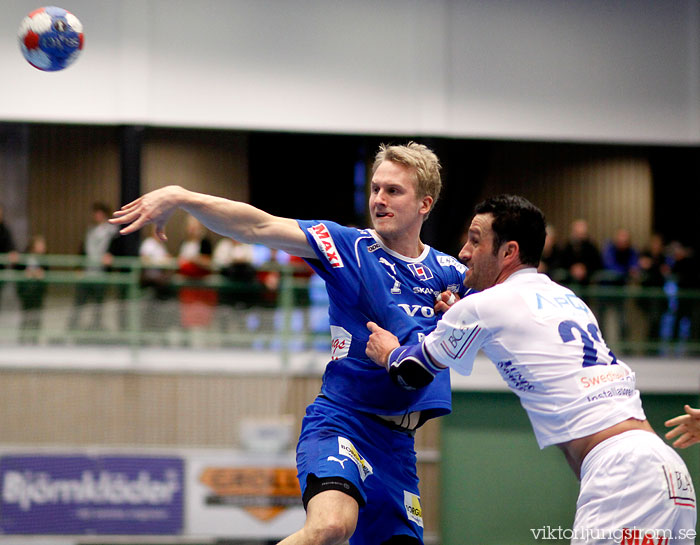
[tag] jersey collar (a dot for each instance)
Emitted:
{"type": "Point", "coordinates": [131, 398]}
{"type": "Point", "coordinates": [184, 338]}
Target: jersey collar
{"type": "Point", "coordinates": [392, 253]}
{"type": "Point", "coordinates": [522, 272]}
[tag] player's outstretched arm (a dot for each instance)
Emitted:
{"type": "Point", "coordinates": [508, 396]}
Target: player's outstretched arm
{"type": "Point", "coordinates": [687, 426]}
{"type": "Point", "coordinates": [233, 219]}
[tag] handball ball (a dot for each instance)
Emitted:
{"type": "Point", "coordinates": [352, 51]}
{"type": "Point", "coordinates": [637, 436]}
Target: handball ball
{"type": "Point", "coordinates": [50, 38]}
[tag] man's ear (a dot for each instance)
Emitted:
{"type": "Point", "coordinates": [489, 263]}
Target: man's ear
{"type": "Point", "coordinates": [511, 250]}
{"type": "Point", "coordinates": [426, 204]}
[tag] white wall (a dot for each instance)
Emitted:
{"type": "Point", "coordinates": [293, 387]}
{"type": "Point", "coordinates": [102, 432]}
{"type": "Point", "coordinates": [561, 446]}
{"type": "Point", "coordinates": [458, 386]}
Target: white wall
{"type": "Point", "coordinates": [597, 70]}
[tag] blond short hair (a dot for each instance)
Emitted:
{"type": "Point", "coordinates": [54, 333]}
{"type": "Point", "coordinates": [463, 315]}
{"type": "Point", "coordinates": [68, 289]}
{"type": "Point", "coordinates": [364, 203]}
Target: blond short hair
{"type": "Point", "coordinates": [421, 159]}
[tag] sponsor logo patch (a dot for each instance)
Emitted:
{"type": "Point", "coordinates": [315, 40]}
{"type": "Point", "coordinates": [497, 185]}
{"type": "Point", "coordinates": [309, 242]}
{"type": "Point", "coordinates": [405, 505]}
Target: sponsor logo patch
{"type": "Point", "coordinates": [420, 271]}
{"type": "Point", "coordinates": [448, 261]}
{"type": "Point", "coordinates": [414, 511]}
{"type": "Point", "coordinates": [412, 310]}
{"type": "Point", "coordinates": [324, 240]}
{"type": "Point", "coordinates": [513, 376]}
{"type": "Point", "coordinates": [389, 264]}
{"type": "Point", "coordinates": [602, 375]}
{"type": "Point", "coordinates": [334, 459]}
{"type": "Point", "coordinates": [346, 448]}
{"type": "Point", "coordinates": [459, 341]}
{"type": "Point", "coordinates": [340, 346]}
{"type": "Point", "coordinates": [426, 291]}
{"type": "Point", "coordinates": [680, 486]}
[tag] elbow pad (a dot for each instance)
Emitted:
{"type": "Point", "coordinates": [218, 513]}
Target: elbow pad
{"type": "Point", "coordinates": [410, 367]}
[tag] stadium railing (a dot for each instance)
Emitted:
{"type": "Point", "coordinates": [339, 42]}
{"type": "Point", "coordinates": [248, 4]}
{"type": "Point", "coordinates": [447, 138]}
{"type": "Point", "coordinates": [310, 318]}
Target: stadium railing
{"type": "Point", "coordinates": [75, 305]}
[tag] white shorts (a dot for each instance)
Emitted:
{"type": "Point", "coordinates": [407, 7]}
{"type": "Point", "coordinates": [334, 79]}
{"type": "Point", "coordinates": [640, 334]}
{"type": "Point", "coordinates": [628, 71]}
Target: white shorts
{"type": "Point", "coordinates": [633, 486]}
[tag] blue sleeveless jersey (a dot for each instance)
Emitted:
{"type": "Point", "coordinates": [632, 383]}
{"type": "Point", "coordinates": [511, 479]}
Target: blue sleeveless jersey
{"type": "Point", "coordinates": [366, 281]}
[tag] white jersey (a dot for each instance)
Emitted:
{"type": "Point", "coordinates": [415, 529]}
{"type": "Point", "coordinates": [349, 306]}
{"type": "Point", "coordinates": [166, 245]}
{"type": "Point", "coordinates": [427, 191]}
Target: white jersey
{"type": "Point", "coordinates": [547, 346]}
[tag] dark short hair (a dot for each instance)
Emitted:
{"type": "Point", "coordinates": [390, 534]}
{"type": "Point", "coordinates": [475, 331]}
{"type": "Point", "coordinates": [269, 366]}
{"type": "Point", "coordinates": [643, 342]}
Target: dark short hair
{"type": "Point", "coordinates": [515, 218]}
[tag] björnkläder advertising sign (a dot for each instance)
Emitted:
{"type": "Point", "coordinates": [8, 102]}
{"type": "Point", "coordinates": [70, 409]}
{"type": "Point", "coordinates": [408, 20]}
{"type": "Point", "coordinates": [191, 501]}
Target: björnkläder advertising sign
{"type": "Point", "coordinates": [91, 495]}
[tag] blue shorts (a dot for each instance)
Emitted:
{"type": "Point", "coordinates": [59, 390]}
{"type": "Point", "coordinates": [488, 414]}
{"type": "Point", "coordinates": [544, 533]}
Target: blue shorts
{"type": "Point", "coordinates": [379, 461]}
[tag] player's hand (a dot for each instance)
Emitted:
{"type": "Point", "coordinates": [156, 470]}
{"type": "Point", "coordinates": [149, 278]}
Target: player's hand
{"type": "Point", "coordinates": [380, 344]}
{"type": "Point", "coordinates": [445, 300]}
{"type": "Point", "coordinates": [155, 207]}
{"type": "Point", "coordinates": [687, 426]}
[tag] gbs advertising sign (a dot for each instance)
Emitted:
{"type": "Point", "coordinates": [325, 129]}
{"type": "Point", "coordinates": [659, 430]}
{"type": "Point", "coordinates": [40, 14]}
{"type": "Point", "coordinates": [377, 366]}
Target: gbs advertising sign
{"type": "Point", "coordinates": [91, 495]}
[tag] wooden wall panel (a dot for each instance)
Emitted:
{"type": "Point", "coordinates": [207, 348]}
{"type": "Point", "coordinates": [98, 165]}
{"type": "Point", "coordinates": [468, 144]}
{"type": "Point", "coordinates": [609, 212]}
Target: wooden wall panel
{"type": "Point", "coordinates": [429, 475]}
{"type": "Point", "coordinates": [212, 162]}
{"type": "Point", "coordinates": [143, 409]}
{"type": "Point", "coordinates": [70, 168]}
{"type": "Point", "coordinates": [608, 188]}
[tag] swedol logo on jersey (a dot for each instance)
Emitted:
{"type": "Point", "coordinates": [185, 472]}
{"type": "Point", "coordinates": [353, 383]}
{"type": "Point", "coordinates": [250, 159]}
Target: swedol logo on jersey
{"type": "Point", "coordinates": [346, 448]}
{"type": "Point", "coordinates": [324, 240]}
{"type": "Point", "coordinates": [414, 511]}
{"type": "Point", "coordinates": [601, 375]}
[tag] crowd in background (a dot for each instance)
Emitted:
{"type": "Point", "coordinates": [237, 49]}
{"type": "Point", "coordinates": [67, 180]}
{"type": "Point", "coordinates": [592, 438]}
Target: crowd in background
{"type": "Point", "coordinates": [253, 275]}
{"type": "Point", "coordinates": [249, 277]}
{"type": "Point", "coordinates": [662, 267]}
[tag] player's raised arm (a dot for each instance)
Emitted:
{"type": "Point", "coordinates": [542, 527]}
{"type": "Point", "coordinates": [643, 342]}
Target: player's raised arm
{"type": "Point", "coordinates": [233, 219]}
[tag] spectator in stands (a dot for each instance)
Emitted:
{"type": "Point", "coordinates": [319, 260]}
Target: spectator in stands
{"type": "Point", "coordinates": [234, 261]}
{"type": "Point", "coordinates": [620, 259]}
{"type": "Point", "coordinates": [156, 260]}
{"type": "Point", "coordinates": [197, 303]}
{"type": "Point", "coordinates": [654, 265]}
{"type": "Point", "coordinates": [155, 280]}
{"type": "Point", "coordinates": [580, 256]}
{"type": "Point", "coordinates": [32, 290]}
{"type": "Point", "coordinates": [7, 245]}
{"type": "Point", "coordinates": [620, 267]}
{"type": "Point", "coordinates": [654, 269]}
{"type": "Point", "coordinates": [550, 263]}
{"type": "Point", "coordinates": [682, 322]}
{"type": "Point", "coordinates": [95, 248]}
{"type": "Point", "coordinates": [119, 248]}
{"type": "Point", "coordinates": [195, 255]}
{"type": "Point", "coordinates": [267, 264]}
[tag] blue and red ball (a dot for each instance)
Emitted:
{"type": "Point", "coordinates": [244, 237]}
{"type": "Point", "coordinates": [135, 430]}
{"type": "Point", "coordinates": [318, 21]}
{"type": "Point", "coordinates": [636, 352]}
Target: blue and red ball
{"type": "Point", "coordinates": [50, 38]}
